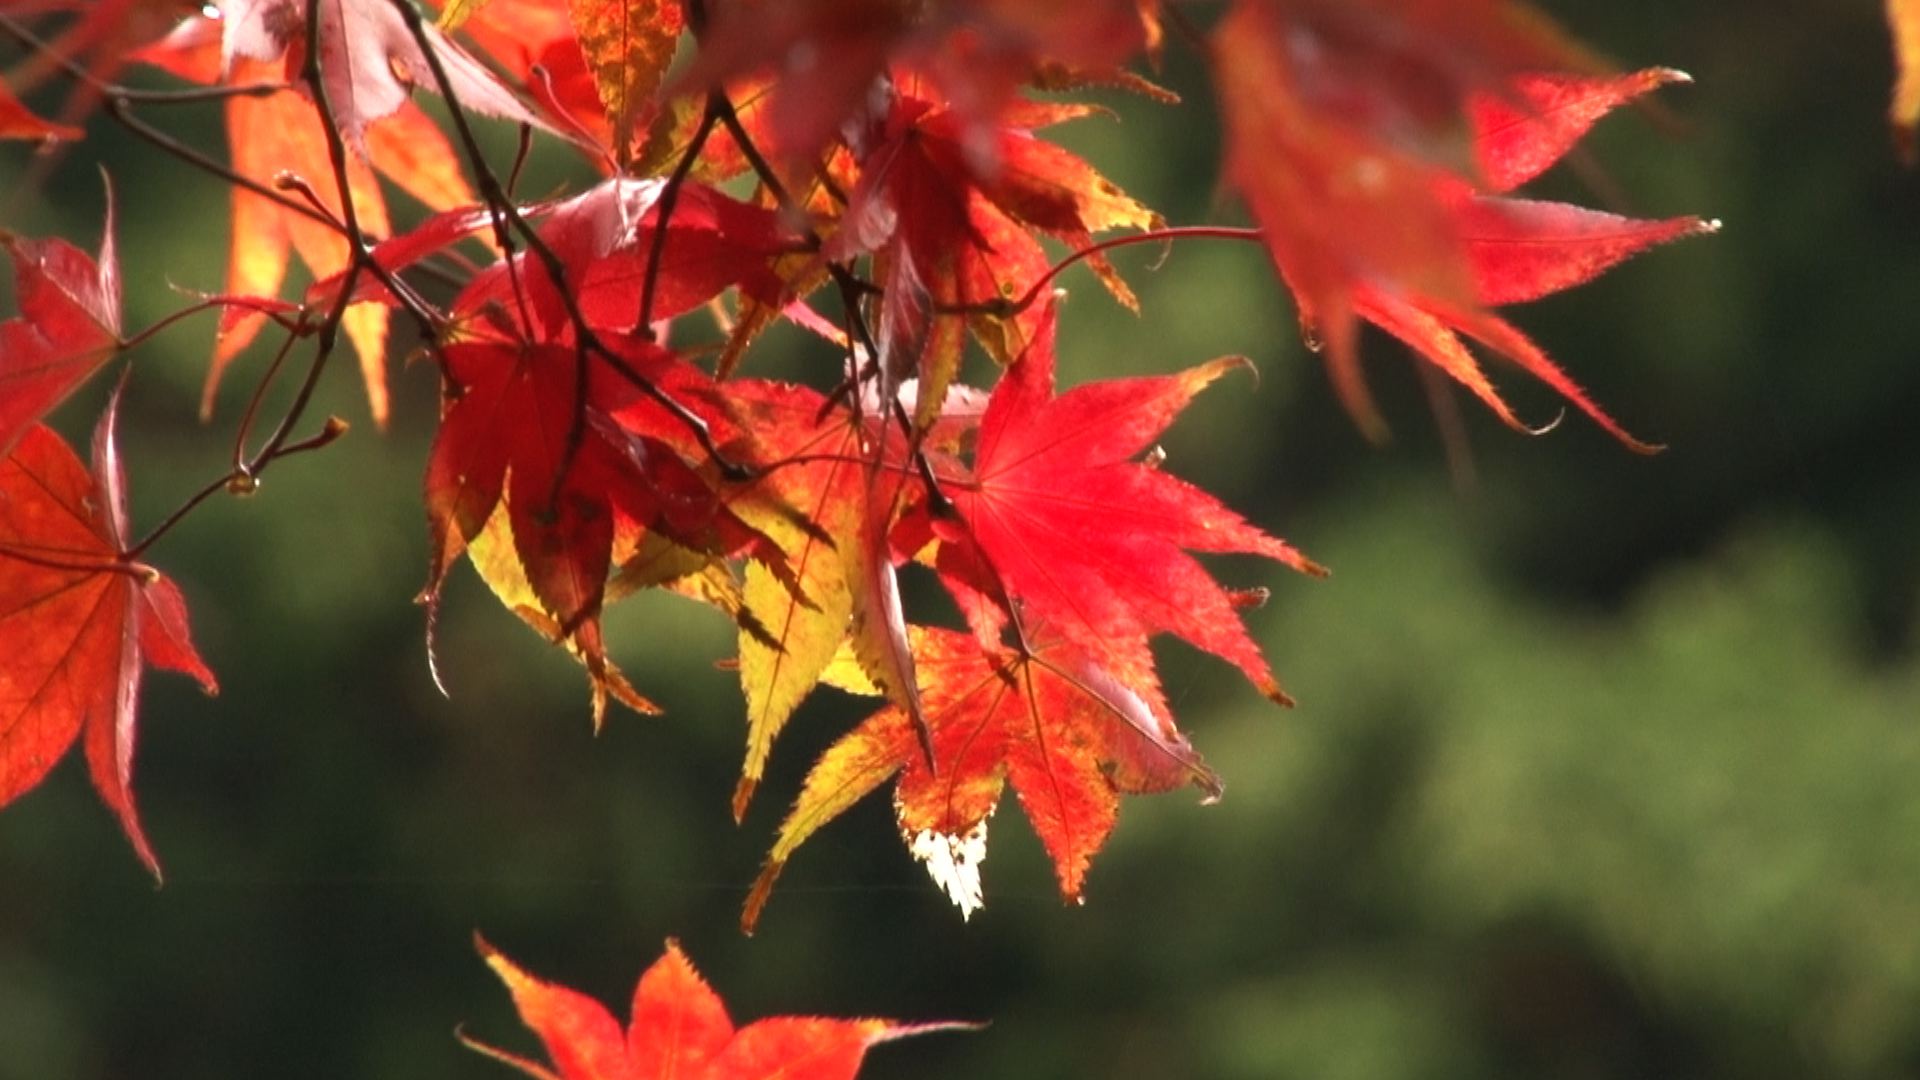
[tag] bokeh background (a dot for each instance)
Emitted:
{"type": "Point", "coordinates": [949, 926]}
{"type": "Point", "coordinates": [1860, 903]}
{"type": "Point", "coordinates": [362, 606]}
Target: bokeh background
{"type": "Point", "coordinates": [1605, 766]}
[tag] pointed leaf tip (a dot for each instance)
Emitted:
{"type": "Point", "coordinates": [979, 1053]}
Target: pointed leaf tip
{"type": "Point", "coordinates": [680, 1028]}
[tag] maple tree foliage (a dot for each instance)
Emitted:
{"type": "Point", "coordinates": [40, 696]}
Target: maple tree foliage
{"type": "Point", "coordinates": [680, 1029]}
{"type": "Point", "coordinates": [879, 173]}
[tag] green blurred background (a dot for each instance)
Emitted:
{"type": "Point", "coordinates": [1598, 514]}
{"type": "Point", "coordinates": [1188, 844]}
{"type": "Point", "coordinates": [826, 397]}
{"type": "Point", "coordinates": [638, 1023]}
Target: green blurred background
{"type": "Point", "coordinates": [1604, 766]}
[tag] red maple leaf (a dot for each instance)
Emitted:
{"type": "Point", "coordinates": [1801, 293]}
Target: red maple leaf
{"type": "Point", "coordinates": [604, 239]}
{"type": "Point", "coordinates": [680, 1031]}
{"type": "Point", "coordinates": [1069, 735]}
{"type": "Point", "coordinates": [535, 44]}
{"type": "Point", "coordinates": [69, 324]}
{"type": "Point", "coordinates": [952, 208]}
{"type": "Point", "coordinates": [572, 478]}
{"type": "Point", "coordinates": [1347, 151]}
{"type": "Point", "coordinates": [79, 621]}
{"type": "Point", "coordinates": [1088, 543]}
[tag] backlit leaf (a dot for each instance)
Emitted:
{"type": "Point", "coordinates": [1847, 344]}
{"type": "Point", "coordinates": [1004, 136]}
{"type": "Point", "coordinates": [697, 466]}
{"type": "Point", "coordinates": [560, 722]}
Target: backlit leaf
{"type": "Point", "coordinates": [680, 1031]}
{"type": "Point", "coordinates": [69, 324]}
{"type": "Point", "coordinates": [79, 622]}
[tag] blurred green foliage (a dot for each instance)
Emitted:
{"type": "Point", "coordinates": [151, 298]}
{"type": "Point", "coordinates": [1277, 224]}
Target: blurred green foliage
{"type": "Point", "coordinates": [1604, 766]}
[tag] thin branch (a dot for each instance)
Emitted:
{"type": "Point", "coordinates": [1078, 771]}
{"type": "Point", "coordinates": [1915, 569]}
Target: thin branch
{"type": "Point", "coordinates": [243, 480]}
{"type": "Point", "coordinates": [121, 112]}
{"type": "Point", "coordinates": [1003, 309]}
{"type": "Point", "coordinates": [663, 217]}
{"type": "Point", "coordinates": [245, 429]}
{"type": "Point", "coordinates": [75, 70]}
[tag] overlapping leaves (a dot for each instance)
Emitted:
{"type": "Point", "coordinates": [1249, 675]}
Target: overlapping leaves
{"type": "Point", "coordinates": [893, 191]}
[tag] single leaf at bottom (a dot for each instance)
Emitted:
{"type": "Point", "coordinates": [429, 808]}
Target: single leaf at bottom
{"type": "Point", "coordinates": [680, 1031]}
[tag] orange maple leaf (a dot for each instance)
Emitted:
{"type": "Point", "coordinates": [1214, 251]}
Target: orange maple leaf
{"type": "Point", "coordinates": [282, 134]}
{"type": "Point", "coordinates": [680, 1031]}
{"type": "Point", "coordinates": [1068, 734]}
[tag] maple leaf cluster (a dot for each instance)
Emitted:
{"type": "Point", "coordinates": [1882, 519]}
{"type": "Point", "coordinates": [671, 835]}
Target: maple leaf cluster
{"type": "Point", "coordinates": [878, 173]}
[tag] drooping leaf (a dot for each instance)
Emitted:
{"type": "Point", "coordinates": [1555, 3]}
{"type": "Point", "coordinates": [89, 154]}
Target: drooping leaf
{"type": "Point", "coordinates": [1345, 126]}
{"type": "Point", "coordinates": [680, 1030]}
{"type": "Point", "coordinates": [1517, 250]}
{"type": "Point", "coordinates": [1530, 123]}
{"type": "Point", "coordinates": [69, 324]}
{"type": "Point", "coordinates": [1070, 737]}
{"type": "Point", "coordinates": [79, 622]}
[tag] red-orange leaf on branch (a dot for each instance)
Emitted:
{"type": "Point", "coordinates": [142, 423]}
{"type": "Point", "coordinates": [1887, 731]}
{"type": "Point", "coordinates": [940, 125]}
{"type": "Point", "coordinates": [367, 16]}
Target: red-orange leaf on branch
{"type": "Point", "coordinates": [1088, 544]}
{"type": "Point", "coordinates": [680, 1030]}
{"type": "Point", "coordinates": [79, 621]}
{"type": "Point", "coordinates": [952, 210]}
{"type": "Point", "coordinates": [605, 240]}
{"type": "Point", "coordinates": [69, 324]}
{"type": "Point", "coordinates": [280, 139]}
{"type": "Point", "coordinates": [1047, 716]}
{"type": "Point", "coordinates": [1343, 126]}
